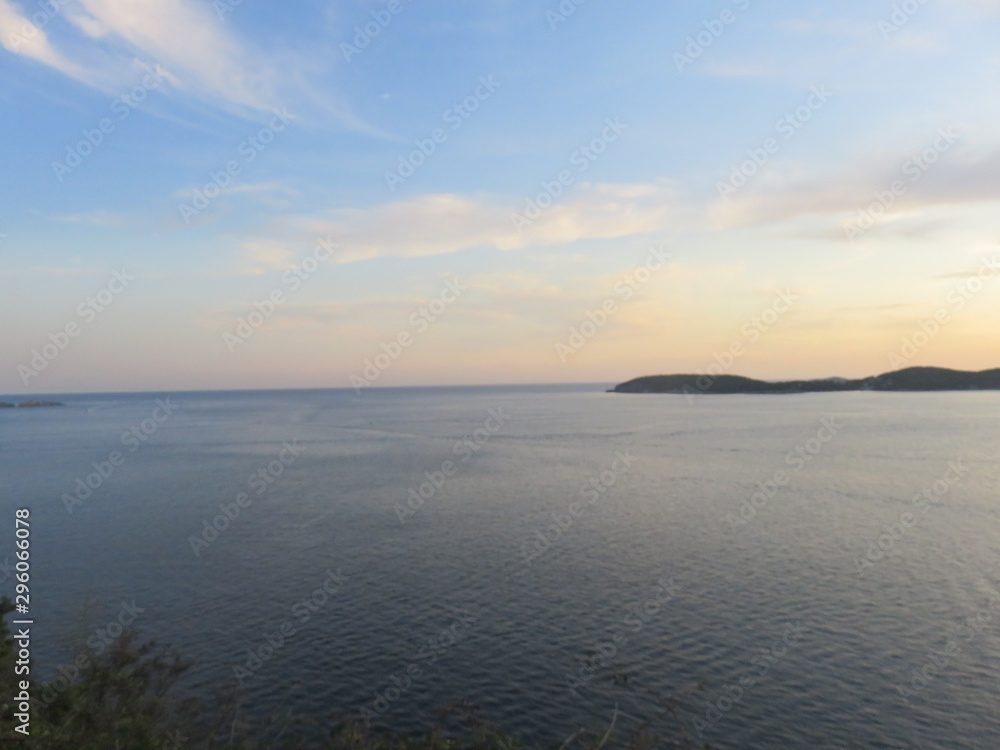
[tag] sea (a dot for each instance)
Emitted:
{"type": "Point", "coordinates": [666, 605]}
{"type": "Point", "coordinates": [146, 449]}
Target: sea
{"type": "Point", "coordinates": [794, 571]}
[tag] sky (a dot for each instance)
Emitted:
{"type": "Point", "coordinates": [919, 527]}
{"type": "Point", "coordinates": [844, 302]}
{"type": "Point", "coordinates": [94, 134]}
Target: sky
{"type": "Point", "coordinates": [235, 194]}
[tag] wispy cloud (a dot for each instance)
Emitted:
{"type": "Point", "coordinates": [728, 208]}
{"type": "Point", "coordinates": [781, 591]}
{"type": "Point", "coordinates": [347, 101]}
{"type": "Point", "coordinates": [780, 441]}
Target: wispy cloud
{"type": "Point", "coordinates": [111, 44]}
{"type": "Point", "coordinates": [96, 219]}
{"type": "Point", "coordinates": [22, 37]}
{"type": "Point", "coordinates": [248, 188]}
{"type": "Point", "coordinates": [826, 27]}
{"type": "Point", "coordinates": [446, 223]}
{"type": "Point", "coordinates": [291, 315]}
{"type": "Point", "coordinates": [962, 275]}
{"type": "Point", "coordinates": [46, 271]}
{"type": "Point", "coordinates": [262, 256]}
{"type": "Point", "coordinates": [721, 69]}
{"type": "Point", "coordinates": [786, 194]}
{"type": "Point", "coordinates": [189, 41]}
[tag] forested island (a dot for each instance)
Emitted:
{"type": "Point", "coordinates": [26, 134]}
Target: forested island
{"type": "Point", "coordinates": [908, 379]}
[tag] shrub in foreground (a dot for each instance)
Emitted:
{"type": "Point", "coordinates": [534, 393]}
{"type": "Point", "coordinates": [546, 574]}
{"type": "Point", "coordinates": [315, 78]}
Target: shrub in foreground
{"type": "Point", "coordinates": [126, 698]}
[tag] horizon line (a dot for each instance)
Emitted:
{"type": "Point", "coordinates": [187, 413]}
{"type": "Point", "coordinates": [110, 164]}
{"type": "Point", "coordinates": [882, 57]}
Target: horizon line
{"type": "Point", "coordinates": [596, 383]}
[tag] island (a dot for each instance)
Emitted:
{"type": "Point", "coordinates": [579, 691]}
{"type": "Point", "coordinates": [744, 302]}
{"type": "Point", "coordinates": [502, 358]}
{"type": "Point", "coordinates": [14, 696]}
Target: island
{"type": "Point", "coordinates": [909, 379]}
{"type": "Point", "coordinates": [30, 403]}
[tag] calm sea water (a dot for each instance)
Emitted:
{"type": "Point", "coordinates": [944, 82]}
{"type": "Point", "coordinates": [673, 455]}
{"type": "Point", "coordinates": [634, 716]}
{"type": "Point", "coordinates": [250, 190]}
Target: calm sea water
{"type": "Point", "coordinates": [852, 602]}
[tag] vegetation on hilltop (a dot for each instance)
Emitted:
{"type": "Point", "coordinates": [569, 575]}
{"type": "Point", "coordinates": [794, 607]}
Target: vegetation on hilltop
{"type": "Point", "coordinates": [126, 698]}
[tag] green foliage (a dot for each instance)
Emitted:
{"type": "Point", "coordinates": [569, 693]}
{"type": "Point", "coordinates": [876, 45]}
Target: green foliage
{"type": "Point", "coordinates": [124, 699]}
{"type": "Point", "coordinates": [120, 698]}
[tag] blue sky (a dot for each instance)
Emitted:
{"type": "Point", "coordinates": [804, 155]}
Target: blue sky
{"type": "Point", "coordinates": [825, 108]}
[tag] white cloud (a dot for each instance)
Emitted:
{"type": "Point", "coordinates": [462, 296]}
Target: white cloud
{"type": "Point", "coordinates": [188, 40]}
{"type": "Point", "coordinates": [261, 256]}
{"type": "Point", "coordinates": [250, 188]}
{"type": "Point", "coordinates": [111, 44]}
{"type": "Point", "coordinates": [22, 37]}
{"type": "Point", "coordinates": [963, 176]}
{"type": "Point", "coordinates": [446, 223]}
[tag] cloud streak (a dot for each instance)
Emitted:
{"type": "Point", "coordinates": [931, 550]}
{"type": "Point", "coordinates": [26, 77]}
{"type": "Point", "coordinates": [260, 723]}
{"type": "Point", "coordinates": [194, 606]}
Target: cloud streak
{"type": "Point", "coordinates": [785, 195]}
{"type": "Point", "coordinates": [444, 223]}
{"type": "Point", "coordinates": [109, 44]}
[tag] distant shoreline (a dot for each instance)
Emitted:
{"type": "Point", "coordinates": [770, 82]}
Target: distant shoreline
{"type": "Point", "coordinates": [29, 404]}
{"type": "Point", "coordinates": [911, 379]}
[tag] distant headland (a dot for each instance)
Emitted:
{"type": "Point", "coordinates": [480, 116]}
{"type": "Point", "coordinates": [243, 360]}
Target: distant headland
{"type": "Point", "coordinates": [909, 379]}
{"type": "Point", "coordinates": [28, 403]}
